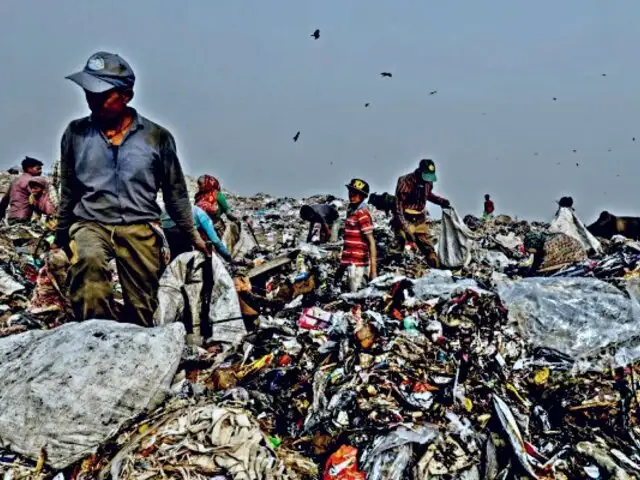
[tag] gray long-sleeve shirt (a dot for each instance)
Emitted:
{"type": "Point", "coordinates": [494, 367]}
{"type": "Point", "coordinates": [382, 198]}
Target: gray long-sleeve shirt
{"type": "Point", "coordinates": [118, 185]}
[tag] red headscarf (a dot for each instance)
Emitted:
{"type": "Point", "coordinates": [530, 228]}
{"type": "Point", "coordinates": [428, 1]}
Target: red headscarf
{"type": "Point", "coordinates": [207, 196]}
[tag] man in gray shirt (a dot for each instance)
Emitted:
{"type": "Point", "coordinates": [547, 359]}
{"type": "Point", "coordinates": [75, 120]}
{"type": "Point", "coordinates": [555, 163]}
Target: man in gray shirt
{"type": "Point", "coordinates": [113, 165]}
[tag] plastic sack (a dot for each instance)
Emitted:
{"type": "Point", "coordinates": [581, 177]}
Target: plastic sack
{"type": "Point", "coordinates": [343, 465]}
{"type": "Point", "coordinates": [180, 298]}
{"type": "Point", "coordinates": [389, 456]}
{"type": "Point", "coordinates": [456, 240]}
{"type": "Point", "coordinates": [577, 316]}
{"type": "Point", "coordinates": [71, 388]}
{"type": "Point", "coordinates": [566, 221]}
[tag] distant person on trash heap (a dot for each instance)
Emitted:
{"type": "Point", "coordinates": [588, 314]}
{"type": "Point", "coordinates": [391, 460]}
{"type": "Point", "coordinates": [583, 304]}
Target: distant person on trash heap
{"type": "Point", "coordinates": [112, 166]}
{"type": "Point", "coordinates": [180, 243]}
{"type": "Point", "coordinates": [410, 223]}
{"type": "Point", "coordinates": [359, 254]}
{"type": "Point", "coordinates": [210, 198]}
{"type": "Point", "coordinates": [17, 198]}
{"type": "Point", "coordinates": [489, 208]}
{"type": "Point", "coordinates": [323, 214]}
{"type": "Point", "coordinates": [39, 199]}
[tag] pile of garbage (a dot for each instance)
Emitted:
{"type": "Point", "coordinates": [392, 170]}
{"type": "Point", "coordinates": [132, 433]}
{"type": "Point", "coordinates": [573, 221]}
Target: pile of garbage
{"type": "Point", "coordinates": [478, 370]}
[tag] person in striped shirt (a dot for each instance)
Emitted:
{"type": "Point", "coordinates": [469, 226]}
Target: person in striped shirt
{"type": "Point", "coordinates": [410, 223]}
{"type": "Point", "coordinates": [359, 254]}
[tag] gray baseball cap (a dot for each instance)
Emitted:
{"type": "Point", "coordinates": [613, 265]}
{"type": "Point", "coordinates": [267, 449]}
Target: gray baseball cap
{"type": "Point", "coordinates": [104, 71]}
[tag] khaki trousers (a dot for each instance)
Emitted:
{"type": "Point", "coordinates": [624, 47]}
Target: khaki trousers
{"type": "Point", "coordinates": [137, 251]}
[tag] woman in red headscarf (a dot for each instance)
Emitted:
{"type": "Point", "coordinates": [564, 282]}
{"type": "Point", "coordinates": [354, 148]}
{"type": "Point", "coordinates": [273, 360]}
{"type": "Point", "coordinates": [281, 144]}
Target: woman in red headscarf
{"type": "Point", "coordinates": [211, 199]}
{"type": "Point", "coordinates": [207, 196]}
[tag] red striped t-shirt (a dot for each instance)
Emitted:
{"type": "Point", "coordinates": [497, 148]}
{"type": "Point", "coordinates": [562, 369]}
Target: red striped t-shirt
{"type": "Point", "coordinates": [356, 248]}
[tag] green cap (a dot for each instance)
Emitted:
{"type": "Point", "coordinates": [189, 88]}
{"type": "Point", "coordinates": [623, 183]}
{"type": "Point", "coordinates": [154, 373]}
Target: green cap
{"type": "Point", "coordinates": [428, 170]}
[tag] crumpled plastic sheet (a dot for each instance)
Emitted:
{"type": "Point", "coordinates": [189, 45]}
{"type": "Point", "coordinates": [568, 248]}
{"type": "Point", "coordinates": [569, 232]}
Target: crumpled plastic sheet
{"type": "Point", "coordinates": [203, 441]}
{"type": "Point", "coordinates": [69, 389]}
{"type": "Point", "coordinates": [567, 222]}
{"type": "Point", "coordinates": [577, 316]}
{"type": "Point", "coordinates": [441, 282]}
{"type": "Point", "coordinates": [377, 288]}
{"type": "Point", "coordinates": [184, 277]}
{"type": "Point", "coordinates": [435, 283]}
{"type": "Point", "coordinates": [456, 240]}
{"type": "Point", "coordinates": [389, 455]}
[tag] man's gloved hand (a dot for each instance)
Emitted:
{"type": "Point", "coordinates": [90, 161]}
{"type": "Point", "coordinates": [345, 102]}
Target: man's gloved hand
{"type": "Point", "coordinates": [446, 204]}
{"type": "Point", "coordinates": [200, 245]}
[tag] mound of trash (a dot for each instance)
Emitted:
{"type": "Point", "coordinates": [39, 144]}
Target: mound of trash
{"type": "Point", "coordinates": [482, 370]}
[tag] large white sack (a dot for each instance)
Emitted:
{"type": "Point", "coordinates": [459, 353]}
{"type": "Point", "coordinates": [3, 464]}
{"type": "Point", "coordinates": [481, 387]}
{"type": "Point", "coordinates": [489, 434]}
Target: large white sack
{"type": "Point", "coordinates": [566, 221]}
{"type": "Point", "coordinates": [456, 241]}
{"type": "Point", "coordinates": [180, 293]}
{"type": "Point", "coordinates": [69, 389]}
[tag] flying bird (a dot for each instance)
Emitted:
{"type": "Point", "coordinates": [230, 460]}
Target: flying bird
{"type": "Point", "coordinates": [604, 74]}
{"type": "Point", "coordinates": [577, 164]}
{"type": "Point", "coordinates": [316, 34]}
{"type": "Point", "coordinates": [574, 151]}
{"type": "Point", "coordinates": [433, 92]}
{"type": "Point", "coordinates": [536, 154]}
{"type": "Point", "coordinates": [555, 99]}
{"type": "Point", "coordinates": [296, 137]}
{"type": "Point", "coordinates": [386, 74]}
{"type": "Point", "coordinates": [609, 150]}
{"type": "Point", "coordinates": [366, 105]}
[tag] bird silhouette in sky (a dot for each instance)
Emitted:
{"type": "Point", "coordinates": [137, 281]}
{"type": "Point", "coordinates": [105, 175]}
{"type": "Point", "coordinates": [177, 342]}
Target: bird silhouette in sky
{"type": "Point", "coordinates": [366, 105]}
{"type": "Point", "coordinates": [555, 99]}
{"type": "Point", "coordinates": [574, 151]}
{"type": "Point", "coordinates": [386, 74]}
{"type": "Point", "coordinates": [577, 164]}
{"type": "Point", "coordinates": [633, 139]}
{"type": "Point", "coordinates": [316, 34]}
{"type": "Point", "coordinates": [433, 92]}
{"type": "Point", "coordinates": [609, 150]}
{"type": "Point", "coordinates": [296, 137]}
{"type": "Point", "coordinates": [536, 154]}
{"type": "Point", "coordinates": [604, 74]}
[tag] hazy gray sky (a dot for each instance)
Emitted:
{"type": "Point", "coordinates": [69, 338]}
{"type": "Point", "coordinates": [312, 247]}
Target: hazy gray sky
{"type": "Point", "coordinates": [235, 80]}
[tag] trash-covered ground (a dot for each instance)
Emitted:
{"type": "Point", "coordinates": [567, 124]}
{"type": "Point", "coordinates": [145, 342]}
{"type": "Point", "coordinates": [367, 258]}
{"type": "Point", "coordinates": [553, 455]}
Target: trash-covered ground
{"type": "Point", "coordinates": [471, 372]}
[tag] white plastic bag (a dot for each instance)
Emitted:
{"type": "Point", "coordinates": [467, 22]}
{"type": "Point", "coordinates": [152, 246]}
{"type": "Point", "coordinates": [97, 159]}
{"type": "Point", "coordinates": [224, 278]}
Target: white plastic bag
{"type": "Point", "coordinates": [69, 389]}
{"type": "Point", "coordinates": [566, 221]}
{"type": "Point", "coordinates": [456, 240]}
{"type": "Point", "coordinates": [179, 297]}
